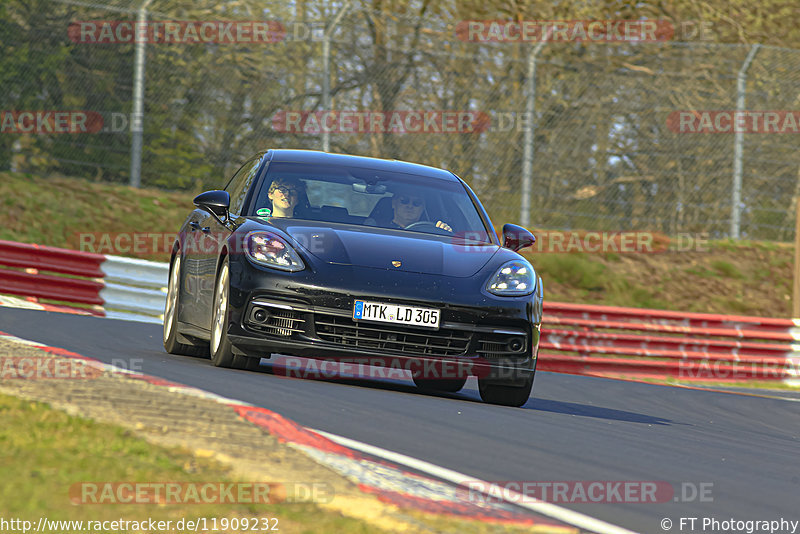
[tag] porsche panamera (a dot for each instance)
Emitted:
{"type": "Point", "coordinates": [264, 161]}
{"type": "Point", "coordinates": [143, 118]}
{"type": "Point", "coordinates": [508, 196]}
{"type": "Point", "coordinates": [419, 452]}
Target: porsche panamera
{"type": "Point", "coordinates": [339, 257]}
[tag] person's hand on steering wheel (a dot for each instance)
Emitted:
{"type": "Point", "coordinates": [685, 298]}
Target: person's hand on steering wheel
{"type": "Point", "coordinates": [444, 226]}
{"type": "Point", "coordinates": [441, 226]}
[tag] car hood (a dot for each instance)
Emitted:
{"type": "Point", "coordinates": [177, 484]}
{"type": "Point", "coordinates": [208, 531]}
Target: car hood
{"type": "Point", "coordinates": [379, 248]}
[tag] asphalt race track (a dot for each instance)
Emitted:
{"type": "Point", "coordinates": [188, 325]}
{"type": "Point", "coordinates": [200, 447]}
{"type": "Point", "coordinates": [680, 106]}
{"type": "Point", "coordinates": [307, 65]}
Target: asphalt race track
{"type": "Point", "coordinates": [573, 428]}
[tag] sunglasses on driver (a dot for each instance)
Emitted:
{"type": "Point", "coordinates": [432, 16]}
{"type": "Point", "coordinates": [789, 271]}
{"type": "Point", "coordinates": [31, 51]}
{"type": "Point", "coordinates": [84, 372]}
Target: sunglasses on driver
{"type": "Point", "coordinates": [416, 202]}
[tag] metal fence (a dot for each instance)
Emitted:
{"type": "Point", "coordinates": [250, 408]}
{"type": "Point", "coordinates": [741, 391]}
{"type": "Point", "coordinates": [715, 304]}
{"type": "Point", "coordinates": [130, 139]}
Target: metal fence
{"type": "Point", "coordinates": [602, 146]}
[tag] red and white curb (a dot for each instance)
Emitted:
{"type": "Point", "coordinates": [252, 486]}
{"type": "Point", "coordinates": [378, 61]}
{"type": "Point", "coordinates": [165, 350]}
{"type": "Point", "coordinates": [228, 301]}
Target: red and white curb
{"type": "Point", "coordinates": [7, 301]}
{"type": "Point", "coordinates": [378, 471]}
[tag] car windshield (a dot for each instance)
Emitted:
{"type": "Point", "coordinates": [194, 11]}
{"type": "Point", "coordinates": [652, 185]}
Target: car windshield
{"type": "Point", "coordinates": [369, 197]}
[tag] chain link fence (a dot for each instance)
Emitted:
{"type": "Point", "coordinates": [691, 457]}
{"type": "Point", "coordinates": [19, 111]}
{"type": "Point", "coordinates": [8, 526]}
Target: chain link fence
{"type": "Point", "coordinates": [606, 152]}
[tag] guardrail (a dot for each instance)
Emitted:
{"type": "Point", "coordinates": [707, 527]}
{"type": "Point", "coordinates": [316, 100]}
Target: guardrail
{"type": "Point", "coordinates": [85, 283]}
{"type": "Point", "coordinates": [614, 341]}
{"type": "Point", "coordinates": [583, 339]}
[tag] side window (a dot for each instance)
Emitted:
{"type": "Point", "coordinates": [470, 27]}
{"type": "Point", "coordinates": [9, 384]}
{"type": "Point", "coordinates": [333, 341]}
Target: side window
{"type": "Point", "coordinates": [240, 184]}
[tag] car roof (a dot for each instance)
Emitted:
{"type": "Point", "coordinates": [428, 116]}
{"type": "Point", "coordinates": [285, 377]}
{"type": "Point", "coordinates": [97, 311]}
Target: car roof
{"type": "Point", "coordinates": [326, 158]}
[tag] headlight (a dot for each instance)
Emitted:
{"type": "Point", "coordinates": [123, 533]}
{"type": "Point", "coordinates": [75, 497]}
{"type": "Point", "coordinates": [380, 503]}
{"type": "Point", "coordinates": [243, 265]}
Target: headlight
{"type": "Point", "coordinates": [513, 279]}
{"type": "Point", "coordinates": [266, 248]}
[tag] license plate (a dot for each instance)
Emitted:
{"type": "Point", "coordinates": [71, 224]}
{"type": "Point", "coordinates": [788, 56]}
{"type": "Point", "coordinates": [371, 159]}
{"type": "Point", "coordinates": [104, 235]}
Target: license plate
{"type": "Point", "coordinates": [396, 314]}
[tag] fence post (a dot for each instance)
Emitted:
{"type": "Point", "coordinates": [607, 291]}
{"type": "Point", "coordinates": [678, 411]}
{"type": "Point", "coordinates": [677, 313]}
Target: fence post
{"type": "Point", "coordinates": [326, 70]}
{"type": "Point", "coordinates": [736, 200]}
{"type": "Point", "coordinates": [138, 99]}
{"type": "Point", "coordinates": [796, 286]}
{"type": "Point", "coordinates": [527, 154]}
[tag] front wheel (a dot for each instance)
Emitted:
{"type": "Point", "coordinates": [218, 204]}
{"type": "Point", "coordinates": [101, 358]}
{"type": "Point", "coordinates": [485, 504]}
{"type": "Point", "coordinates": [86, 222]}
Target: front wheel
{"type": "Point", "coordinates": [170, 335]}
{"type": "Point", "coordinates": [221, 349]}
{"type": "Point", "coordinates": [506, 395]}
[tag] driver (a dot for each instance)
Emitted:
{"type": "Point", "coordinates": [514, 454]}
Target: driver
{"type": "Point", "coordinates": [408, 209]}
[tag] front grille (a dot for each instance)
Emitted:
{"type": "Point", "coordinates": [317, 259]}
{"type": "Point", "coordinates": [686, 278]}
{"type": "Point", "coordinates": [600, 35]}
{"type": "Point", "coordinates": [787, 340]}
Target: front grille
{"type": "Point", "coordinates": [374, 336]}
{"type": "Point", "coordinates": [280, 323]}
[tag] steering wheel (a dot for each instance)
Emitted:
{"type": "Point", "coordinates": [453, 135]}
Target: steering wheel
{"type": "Point", "coordinates": [426, 226]}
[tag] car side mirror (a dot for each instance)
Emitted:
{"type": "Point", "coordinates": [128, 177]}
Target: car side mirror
{"type": "Point", "coordinates": [516, 237]}
{"type": "Point", "coordinates": [215, 202]}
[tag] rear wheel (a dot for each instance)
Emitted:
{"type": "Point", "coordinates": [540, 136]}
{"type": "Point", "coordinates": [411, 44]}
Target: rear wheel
{"type": "Point", "coordinates": [506, 395]}
{"type": "Point", "coordinates": [170, 335]}
{"type": "Point", "coordinates": [221, 349]}
{"type": "Point", "coordinates": [450, 385]}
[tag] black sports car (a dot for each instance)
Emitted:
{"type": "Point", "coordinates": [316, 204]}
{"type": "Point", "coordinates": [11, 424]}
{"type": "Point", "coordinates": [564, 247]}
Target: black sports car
{"type": "Point", "coordinates": [348, 258]}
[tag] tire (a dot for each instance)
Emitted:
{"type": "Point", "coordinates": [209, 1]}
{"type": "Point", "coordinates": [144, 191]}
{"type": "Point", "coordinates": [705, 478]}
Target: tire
{"type": "Point", "coordinates": [451, 385]}
{"type": "Point", "coordinates": [170, 332]}
{"type": "Point", "coordinates": [504, 395]}
{"type": "Point", "coordinates": [219, 345]}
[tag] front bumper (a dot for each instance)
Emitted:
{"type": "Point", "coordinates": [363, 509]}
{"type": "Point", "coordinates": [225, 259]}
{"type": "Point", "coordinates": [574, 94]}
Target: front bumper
{"type": "Point", "coordinates": [309, 314]}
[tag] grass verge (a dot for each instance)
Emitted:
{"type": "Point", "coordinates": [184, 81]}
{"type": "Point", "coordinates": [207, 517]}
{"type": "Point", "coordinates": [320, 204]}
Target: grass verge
{"type": "Point", "coordinates": [46, 452]}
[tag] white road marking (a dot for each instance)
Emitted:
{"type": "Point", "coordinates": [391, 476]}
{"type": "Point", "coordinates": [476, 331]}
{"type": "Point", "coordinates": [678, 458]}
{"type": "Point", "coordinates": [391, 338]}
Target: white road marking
{"type": "Point", "coordinates": [525, 501]}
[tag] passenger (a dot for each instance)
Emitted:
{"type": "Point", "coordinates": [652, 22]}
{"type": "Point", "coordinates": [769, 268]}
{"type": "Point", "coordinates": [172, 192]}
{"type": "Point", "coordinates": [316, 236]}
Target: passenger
{"type": "Point", "coordinates": [285, 195]}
